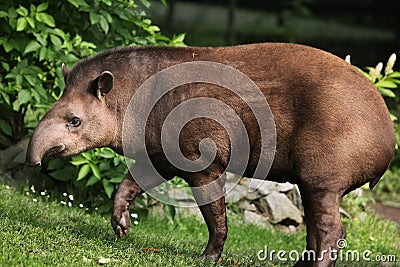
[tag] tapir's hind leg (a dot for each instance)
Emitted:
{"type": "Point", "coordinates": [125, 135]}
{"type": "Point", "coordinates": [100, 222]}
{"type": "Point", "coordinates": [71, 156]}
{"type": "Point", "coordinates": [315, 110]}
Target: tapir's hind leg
{"type": "Point", "coordinates": [127, 192]}
{"type": "Point", "coordinates": [214, 213]}
{"type": "Point", "coordinates": [324, 227]}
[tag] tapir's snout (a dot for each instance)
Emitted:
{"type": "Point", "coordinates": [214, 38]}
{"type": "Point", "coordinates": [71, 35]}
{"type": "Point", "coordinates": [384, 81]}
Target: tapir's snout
{"type": "Point", "coordinates": [32, 163]}
{"type": "Point", "coordinates": [46, 141]}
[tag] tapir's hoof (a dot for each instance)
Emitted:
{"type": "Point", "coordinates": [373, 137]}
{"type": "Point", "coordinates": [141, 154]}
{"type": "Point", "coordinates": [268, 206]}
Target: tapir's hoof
{"type": "Point", "coordinates": [121, 222]}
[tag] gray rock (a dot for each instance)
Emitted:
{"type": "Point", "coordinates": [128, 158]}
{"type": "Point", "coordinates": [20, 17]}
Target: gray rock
{"type": "Point", "coordinates": [280, 209]}
{"type": "Point", "coordinates": [285, 187]}
{"type": "Point", "coordinates": [267, 187]}
{"type": "Point", "coordinates": [235, 193]}
{"type": "Point", "coordinates": [232, 177]}
{"type": "Point", "coordinates": [246, 205]}
{"type": "Point", "coordinates": [189, 212]}
{"type": "Point", "coordinates": [294, 196]}
{"type": "Point", "coordinates": [256, 219]}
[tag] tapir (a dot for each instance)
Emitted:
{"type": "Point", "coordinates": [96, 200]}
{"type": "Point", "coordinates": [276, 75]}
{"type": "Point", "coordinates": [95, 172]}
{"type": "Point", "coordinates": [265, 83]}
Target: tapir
{"type": "Point", "coordinates": [333, 129]}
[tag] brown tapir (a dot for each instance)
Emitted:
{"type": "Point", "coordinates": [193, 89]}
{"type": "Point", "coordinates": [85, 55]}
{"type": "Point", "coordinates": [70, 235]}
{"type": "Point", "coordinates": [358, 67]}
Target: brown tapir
{"type": "Point", "coordinates": [333, 130]}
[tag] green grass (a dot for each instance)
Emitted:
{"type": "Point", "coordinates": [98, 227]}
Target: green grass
{"type": "Point", "coordinates": [48, 234]}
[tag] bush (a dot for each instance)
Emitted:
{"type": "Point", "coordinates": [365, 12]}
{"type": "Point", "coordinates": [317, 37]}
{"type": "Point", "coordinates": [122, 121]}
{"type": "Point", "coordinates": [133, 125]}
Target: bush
{"type": "Point", "coordinates": [36, 38]}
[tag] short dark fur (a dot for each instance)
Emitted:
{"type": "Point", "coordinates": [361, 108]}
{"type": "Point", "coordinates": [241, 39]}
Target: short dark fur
{"type": "Point", "coordinates": [333, 129]}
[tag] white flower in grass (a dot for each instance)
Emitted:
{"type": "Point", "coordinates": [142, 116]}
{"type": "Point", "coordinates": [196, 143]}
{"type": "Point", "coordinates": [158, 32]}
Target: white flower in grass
{"type": "Point", "coordinates": [134, 215]}
{"type": "Point", "coordinates": [7, 187]}
{"type": "Point", "coordinates": [34, 200]}
{"type": "Point", "coordinates": [81, 205]}
{"type": "Point", "coordinates": [135, 222]}
{"type": "Point", "coordinates": [33, 189]}
{"type": "Point", "coordinates": [63, 203]}
{"type": "Point", "coordinates": [71, 197]}
{"type": "Point", "coordinates": [65, 194]}
{"type": "Point", "coordinates": [347, 59]}
{"type": "Point", "coordinates": [69, 204]}
{"type": "Point", "coordinates": [42, 193]}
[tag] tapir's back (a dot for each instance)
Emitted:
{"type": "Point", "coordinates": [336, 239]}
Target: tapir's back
{"type": "Point", "coordinates": [325, 110]}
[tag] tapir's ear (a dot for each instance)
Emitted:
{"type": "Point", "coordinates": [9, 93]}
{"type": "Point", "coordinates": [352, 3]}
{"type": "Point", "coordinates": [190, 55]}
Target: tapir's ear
{"type": "Point", "coordinates": [65, 71]}
{"type": "Point", "coordinates": [103, 84]}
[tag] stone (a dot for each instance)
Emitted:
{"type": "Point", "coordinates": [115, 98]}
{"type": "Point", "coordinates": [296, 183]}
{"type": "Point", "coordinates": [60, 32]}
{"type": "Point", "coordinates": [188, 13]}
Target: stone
{"type": "Point", "coordinates": [280, 209]}
{"type": "Point", "coordinates": [294, 196]}
{"type": "Point", "coordinates": [232, 177]}
{"type": "Point", "coordinates": [285, 187]}
{"type": "Point", "coordinates": [235, 193]}
{"type": "Point", "coordinates": [246, 205]}
{"type": "Point", "coordinates": [267, 187]}
{"type": "Point", "coordinates": [256, 219]}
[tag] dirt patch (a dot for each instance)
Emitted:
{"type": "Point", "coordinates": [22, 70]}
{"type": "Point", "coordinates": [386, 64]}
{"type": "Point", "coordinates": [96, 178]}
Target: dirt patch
{"type": "Point", "coordinates": [387, 212]}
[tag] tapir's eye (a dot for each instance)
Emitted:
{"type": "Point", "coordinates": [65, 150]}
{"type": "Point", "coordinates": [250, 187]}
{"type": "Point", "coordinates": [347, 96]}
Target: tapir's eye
{"type": "Point", "coordinates": [75, 122]}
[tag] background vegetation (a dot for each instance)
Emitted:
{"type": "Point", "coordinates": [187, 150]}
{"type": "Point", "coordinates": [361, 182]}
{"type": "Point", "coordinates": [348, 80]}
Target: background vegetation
{"type": "Point", "coordinates": [36, 37]}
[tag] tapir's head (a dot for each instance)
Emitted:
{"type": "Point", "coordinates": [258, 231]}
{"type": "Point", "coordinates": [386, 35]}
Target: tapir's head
{"type": "Point", "coordinates": [80, 120]}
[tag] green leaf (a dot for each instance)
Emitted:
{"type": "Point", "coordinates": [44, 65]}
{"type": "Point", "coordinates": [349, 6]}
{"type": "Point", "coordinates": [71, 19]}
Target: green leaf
{"type": "Point", "coordinates": [79, 160]}
{"type": "Point", "coordinates": [94, 18]}
{"type": "Point", "coordinates": [386, 92]}
{"type": "Point", "coordinates": [22, 11]}
{"type": "Point", "coordinates": [117, 180]}
{"type": "Point", "coordinates": [106, 15]}
{"type": "Point", "coordinates": [395, 74]}
{"type": "Point", "coordinates": [12, 13]}
{"type": "Point", "coordinates": [21, 24]}
{"type": "Point", "coordinates": [31, 22]}
{"type": "Point", "coordinates": [42, 7]}
{"type": "Point", "coordinates": [55, 164]}
{"type": "Point", "coordinates": [65, 174]}
{"type": "Point", "coordinates": [146, 3]}
{"type": "Point", "coordinates": [386, 84]}
{"type": "Point", "coordinates": [55, 40]}
{"type": "Point", "coordinates": [104, 24]}
{"type": "Point", "coordinates": [92, 180]}
{"type": "Point", "coordinates": [78, 3]}
{"type": "Point", "coordinates": [42, 53]}
{"type": "Point", "coordinates": [95, 169]}
{"type": "Point", "coordinates": [5, 127]}
{"type": "Point", "coordinates": [83, 171]}
{"type": "Point", "coordinates": [5, 66]}
{"type": "Point", "coordinates": [48, 19]}
{"type": "Point", "coordinates": [164, 3]}
{"type": "Point", "coordinates": [24, 96]}
{"type": "Point", "coordinates": [179, 38]}
{"type": "Point", "coordinates": [31, 79]}
{"type": "Point", "coordinates": [108, 187]}
{"type": "Point", "coordinates": [32, 46]}
{"type": "Point", "coordinates": [107, 153]}
{"type": "Point", "coordinates": [3, 14]}
{"type": "Point", "coordinates": [8, 47]}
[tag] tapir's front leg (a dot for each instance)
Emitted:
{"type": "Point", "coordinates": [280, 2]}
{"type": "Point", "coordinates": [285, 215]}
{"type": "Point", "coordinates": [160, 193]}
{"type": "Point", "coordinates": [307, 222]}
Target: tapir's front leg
{"type": "Point", "coordinates": [128, 190]}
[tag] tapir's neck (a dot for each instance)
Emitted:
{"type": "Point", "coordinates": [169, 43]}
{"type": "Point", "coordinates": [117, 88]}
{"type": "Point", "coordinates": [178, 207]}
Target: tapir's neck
{"type": "Point", "coordinates": [131, 72]}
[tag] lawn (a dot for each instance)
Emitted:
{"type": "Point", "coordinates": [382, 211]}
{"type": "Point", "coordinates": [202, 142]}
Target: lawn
{"type": "Point", "coordinates": [46, 233]}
